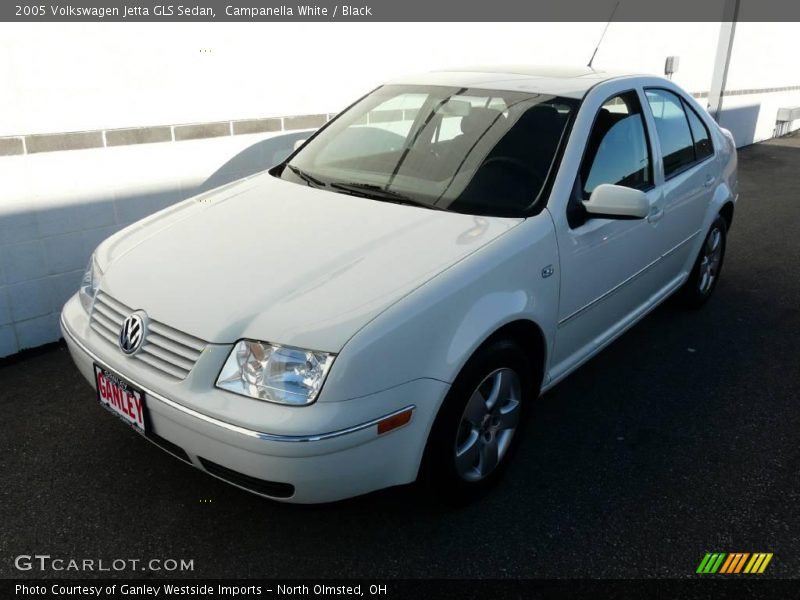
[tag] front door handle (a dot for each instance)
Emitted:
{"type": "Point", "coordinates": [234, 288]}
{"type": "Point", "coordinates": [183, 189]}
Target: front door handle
{"type": "Point", "coordinates": [709, 181]}
{"type": "Point", "coordinates": [655, 215]}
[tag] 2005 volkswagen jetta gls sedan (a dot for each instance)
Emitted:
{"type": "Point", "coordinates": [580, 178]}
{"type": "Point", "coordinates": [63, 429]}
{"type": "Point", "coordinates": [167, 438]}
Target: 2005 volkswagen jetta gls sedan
{"type": "Point", "coordinates": [383, 306]}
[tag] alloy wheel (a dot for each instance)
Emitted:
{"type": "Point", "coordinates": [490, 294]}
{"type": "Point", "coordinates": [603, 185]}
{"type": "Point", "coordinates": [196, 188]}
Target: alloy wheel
{"type": "Point", "coordinates": [488, 425]}
{"type": "Point", "coordinates": [711, 260]}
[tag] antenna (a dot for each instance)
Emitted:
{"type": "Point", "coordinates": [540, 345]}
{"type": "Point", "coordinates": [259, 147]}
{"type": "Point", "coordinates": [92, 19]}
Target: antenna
{"type": "Point", "coordinates": [600, 41]}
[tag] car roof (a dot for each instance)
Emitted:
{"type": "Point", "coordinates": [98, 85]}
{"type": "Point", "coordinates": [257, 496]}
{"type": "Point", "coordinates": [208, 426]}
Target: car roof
{"type": "Point", "coordinates": [572, 82]}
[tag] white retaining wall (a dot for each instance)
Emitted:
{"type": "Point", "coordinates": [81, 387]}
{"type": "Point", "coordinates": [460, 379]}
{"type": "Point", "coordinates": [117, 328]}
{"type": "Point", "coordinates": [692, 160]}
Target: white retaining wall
{"type": "Point", "coordinates": [57, 206]}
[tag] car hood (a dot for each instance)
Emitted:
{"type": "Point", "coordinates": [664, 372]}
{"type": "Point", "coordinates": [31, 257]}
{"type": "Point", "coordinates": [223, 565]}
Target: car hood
{"type": "Point", "coordinates": [276, 261]}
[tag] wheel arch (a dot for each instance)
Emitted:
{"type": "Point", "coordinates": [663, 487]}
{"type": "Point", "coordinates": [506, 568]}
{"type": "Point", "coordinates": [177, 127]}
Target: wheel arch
{"type": "Point", "coordinates": [726, 212]}
{"type": "Point", "coordinates": [530, 337]}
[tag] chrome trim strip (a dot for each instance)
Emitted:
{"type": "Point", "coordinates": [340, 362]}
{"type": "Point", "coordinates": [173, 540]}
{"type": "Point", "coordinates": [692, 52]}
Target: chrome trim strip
{"type": "Point", "coordinates": [617, 287]}
{"type": "Point", "coordinates": [269, 437]}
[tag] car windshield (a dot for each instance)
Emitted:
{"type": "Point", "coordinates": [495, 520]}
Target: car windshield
{"type": "Point", "coordinates": [475, 151]}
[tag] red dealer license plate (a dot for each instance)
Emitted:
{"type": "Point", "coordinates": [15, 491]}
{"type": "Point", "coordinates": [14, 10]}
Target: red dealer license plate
{"type": "Point", "coordinates": [120, 397]}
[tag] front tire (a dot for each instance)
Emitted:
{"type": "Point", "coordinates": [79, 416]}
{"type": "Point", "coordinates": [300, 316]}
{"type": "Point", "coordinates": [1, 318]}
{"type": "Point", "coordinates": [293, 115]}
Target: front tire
{"type": "Point", "coordinates": [479, 423]}
{"type": "Point", "coordinates": [707, 267]}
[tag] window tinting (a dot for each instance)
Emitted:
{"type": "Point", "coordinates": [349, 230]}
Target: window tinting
{"type": "Point", "coordinates": [702, 138]}
{"type": "Point", "coordinates": [617, 151]}
{"type": "Point", "coordinates": [474, 151]}
{"type": "Point", "coordinates": [673, 130]}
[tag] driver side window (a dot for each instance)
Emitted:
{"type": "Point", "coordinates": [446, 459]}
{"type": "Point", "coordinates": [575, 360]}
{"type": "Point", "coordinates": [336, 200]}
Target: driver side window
{"type": "Point", "coordinates": [617, 150]}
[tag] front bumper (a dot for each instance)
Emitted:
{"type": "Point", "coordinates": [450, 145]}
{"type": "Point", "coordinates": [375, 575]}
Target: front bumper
{"type": "Point", "coordinates": [320, 453]}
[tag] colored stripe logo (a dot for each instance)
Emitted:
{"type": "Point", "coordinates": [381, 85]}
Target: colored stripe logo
{"type": "Point", "coordinates": [734, 562]}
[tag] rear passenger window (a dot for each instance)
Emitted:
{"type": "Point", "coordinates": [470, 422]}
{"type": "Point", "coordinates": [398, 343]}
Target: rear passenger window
{"type": "Point", "coordinates": [617, 151]}
{"type": "Point", "coordinates": [702, 138]}
{"type": "Point", "coordinates": [673, 131]}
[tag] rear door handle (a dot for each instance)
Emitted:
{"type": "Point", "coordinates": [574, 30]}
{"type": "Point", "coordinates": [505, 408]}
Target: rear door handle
{"type": "Point", "coordinates": [655, 215]}
{"type": "Point", "coordinates": [709, 181]}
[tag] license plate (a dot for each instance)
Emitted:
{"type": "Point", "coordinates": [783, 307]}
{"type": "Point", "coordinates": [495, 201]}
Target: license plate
{"type": "Point", "coordinates": [120, 397]}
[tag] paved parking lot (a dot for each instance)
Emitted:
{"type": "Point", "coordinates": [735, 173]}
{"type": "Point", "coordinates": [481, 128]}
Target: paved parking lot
{"type": "Point", "coordinates": [680, 439]}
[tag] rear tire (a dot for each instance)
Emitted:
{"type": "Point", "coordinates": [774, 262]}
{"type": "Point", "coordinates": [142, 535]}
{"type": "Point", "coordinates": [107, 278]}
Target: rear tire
{"type": "Point", "coordinates": [707, 267]}
{"type": "Point", "coordinates": [479, 424]}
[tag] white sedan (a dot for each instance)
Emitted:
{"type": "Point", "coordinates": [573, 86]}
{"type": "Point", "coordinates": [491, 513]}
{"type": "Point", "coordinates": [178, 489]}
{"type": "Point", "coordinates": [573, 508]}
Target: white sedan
{"type": "Point", "coordinates": [384, 305]}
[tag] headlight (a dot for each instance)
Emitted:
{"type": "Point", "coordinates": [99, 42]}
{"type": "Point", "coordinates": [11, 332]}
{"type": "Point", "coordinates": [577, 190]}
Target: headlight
{"type": "Point", "coordinates": [89, 284]}
{"type": "Point", "coordinates": [274, 373]}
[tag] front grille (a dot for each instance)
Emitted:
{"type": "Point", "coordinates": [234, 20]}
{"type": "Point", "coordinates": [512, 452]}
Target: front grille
{"type": "Point", "coordinates": [165, 349]}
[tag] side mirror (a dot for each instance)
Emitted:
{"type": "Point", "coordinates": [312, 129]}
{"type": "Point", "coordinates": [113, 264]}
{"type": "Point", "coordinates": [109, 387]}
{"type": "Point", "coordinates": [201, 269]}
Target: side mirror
{"type": "Point", "coordinates": [611, 201]}
{"type": "Point", "coordinates": [299, 143]}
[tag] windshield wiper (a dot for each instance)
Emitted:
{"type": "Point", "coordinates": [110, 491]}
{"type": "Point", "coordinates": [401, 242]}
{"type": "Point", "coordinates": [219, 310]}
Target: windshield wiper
{"type": "Point", "coordinates": [376, 192]}
{"type": "Point", "coordinates": [309, 179]}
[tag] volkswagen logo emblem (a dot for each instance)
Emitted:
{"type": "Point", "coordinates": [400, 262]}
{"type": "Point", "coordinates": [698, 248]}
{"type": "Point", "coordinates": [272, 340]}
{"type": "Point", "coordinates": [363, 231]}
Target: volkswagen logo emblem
{"type": "Point", "coordinates": [131, 335]}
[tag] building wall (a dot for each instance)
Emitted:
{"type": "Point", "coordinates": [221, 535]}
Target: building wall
{"type": "Point", "coordinates": [58, 206]}
{"type": "Point", "coordinates": [102, 78]}
{"type": "Point", "coordinates": [79, 76]}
